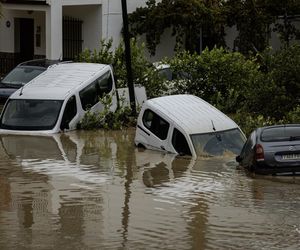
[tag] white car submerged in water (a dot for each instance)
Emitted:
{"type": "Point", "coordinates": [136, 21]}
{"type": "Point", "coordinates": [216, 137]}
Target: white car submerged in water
{"type": "Point", "coordinates": [57, 99]}
{"type": "Point", "coordinates": [187, 125]}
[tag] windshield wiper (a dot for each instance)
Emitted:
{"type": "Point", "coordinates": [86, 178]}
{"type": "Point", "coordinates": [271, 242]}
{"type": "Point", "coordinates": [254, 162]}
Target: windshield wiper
{"type": "Point", "coordinates": [12, 84]}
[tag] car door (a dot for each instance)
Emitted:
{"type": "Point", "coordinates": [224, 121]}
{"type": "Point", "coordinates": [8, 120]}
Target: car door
{"type": "Point", "coordinates": [70, 111]}
{"type": "Point", "coordinates": [155, 130]}
{"type": "Point", "coordinates": [248, 151]}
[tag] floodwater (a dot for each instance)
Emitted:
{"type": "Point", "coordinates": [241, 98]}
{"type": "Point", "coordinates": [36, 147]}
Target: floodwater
{"type": "Point", "coordinates": [95, 190]}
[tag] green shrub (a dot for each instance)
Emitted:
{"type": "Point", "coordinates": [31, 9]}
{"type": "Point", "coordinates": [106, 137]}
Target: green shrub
{"type": "Point", "coordinates": [218, 76]}
{"type": "Point", "coordinates": [258, 91]}
{"type": "Point", "coordinates": [248, 122]}
{"type": "Point", "coordinates": [143, 72]}
{"type": "Point", "coordinates": [293, 116]}
{"type": "Point", "coordinates": [277, 91]}
{"type": "Point", "coordinates": [108, 119]}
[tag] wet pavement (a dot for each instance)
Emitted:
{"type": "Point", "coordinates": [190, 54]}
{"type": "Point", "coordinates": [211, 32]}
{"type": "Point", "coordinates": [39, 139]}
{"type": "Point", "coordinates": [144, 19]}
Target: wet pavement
{"type": "Point", "coordinates": [95, 190]}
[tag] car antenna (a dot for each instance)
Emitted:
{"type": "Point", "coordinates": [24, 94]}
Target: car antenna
{"type": "Point", "coordinates": [21, 91]}
{"type": "Point", "coordinates": [213, 125]}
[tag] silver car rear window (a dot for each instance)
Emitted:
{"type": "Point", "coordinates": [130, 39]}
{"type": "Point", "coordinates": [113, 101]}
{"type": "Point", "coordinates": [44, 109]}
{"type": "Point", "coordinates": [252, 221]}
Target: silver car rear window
{"type": "Point", "coordinates": [283, 133]}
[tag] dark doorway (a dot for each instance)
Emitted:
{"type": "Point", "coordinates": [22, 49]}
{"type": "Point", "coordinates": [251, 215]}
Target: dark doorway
{"type": "Point", "coordinates": [26, 39]}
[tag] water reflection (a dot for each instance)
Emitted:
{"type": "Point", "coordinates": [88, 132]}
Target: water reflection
{"type": "Point", "coordinates": [95, 190]}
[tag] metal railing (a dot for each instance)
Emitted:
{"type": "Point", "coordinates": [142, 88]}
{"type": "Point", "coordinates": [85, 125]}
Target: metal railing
{"type": "Point", "coordinates": [72, 37]}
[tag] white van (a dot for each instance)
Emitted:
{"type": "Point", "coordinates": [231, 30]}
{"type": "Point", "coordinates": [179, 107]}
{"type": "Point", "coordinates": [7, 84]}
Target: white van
{"type": "Point", "coordinates": [58, 98]}
{"type": "Point", "coordinates": [187, 125]}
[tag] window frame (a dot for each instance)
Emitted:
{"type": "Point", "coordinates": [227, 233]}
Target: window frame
{"type": "Point", "coordinates": [175, 133]}
{"type": "Point", "coordinates": [64, 124]}
{"type": "Point", "coordinates": [87, 102]}
{"type": "Point", "coordinates": [155, 124]}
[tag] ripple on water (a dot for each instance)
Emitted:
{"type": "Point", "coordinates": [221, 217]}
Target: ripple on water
{"type": "Point", "coordinates": [94, 190]}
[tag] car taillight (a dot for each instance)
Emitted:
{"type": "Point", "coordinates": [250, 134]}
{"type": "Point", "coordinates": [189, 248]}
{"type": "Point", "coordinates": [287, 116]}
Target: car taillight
{"type": "Point", "coordinates": [259, 153]}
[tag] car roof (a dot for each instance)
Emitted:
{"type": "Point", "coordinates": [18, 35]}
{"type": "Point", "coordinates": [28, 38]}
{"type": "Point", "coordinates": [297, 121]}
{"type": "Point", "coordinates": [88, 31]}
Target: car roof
{"type": "Point", "coordinates": [160, 65]}
{"type": "Point", "coordinates": [60, 80]}
{"type": "Point", "coordinates": [191, 113]}
{"type": "Point", "coordinates": [259, 130]}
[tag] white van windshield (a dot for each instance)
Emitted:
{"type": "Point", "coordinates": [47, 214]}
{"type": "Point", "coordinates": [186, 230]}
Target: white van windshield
{"type": "Point", "coordinates": [30, 114]}
{"type": "Point", "coordinates": [218, 143]}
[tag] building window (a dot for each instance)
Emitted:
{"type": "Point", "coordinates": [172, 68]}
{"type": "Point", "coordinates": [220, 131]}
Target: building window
{"type": "Point", "coordinates": [72, 38]}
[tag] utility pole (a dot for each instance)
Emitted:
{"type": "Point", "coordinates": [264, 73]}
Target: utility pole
{"type": "Point", "coordinates": [128, 57]}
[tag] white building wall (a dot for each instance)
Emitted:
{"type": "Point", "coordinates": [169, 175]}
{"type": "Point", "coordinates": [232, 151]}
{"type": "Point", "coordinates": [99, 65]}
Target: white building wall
{"type": "Point", "coordinates": [231, 34]}
{"type": "Point", "coordinates": [7, 34]}
{"type": "Point", "coordinates": [112, 23]}
{"type": "Point", "coordinates": [275, 41]}
{"type": "Point", "coordinates": [54, 30]}
{"type": "Point", "coordinates": [112, 18]}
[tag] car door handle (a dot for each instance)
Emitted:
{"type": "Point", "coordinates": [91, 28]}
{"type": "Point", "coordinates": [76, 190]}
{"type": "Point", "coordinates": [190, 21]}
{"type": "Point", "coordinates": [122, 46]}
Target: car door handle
{"type": "Point", "coordinates": [162, 147]}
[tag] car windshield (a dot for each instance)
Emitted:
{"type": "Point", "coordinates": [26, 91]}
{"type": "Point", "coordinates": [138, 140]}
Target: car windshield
{"type": "Point", "coordinates": [283, 133]}
{"type": "Point", "coordinates": [30, 114]}
{"type": "Point", "coordinates": [21, 75]}
{"type": "Point", "coordinates": [166, 73]}
{"type": "Point", "coordinates": [218, 143]}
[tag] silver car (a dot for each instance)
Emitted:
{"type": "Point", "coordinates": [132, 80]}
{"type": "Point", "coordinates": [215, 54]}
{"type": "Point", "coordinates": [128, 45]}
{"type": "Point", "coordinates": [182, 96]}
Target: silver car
{"type": "Point", "coordinates": [272, 150]}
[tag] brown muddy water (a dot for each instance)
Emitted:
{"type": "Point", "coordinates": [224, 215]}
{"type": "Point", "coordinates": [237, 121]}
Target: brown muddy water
{"type": "Point", "coordinates": [95, 190]}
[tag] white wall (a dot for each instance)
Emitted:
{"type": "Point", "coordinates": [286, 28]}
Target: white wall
{"type": "Point", "coordinates": [112, 18]}
{"type": "Point", "coordinates": [164, 49]}
{"type": "Point", "coordinates": [275, 42]}
{"type": "Point", "coordinates": [231, 34]}
{"type": "Point", "coordinates": [7, 34]}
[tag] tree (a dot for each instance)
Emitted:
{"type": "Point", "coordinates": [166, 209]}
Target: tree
{"type": "Point", "coordinates": [253, 19]}
{"type": "Point", "coordinates": [187, 19]}
{"type": "Point", "coordinates": [285, 11]}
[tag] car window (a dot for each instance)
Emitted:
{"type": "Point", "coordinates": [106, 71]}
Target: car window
{"type": "Point", "coordinates": [283, 133]}
{"type": "Point", "coordinates": [218, 143]}
{"type": "Point", "coordinates": [69, 113]}
{"type": "Point", "coordinates": [22, 75]}
{"type": "Point", "coordinates": [90, 95]}
{"type": "Point", "coordinates": [104, 84]}
{"type": "Point", "coordinates": [156, 124]}
{"type": "Point", "coordinates": [30, 114]}
{"type": "Point", "coordinates": [166, 73]}
{"type": "Point", "coordinates": [249, 144]}
{"type": "Point", "coordinates": [180, 143]}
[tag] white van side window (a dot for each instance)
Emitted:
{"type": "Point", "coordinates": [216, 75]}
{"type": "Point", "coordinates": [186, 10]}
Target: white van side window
{"type": "Point", "coordinates": [157, 125]}
{"type": "Point", "coordinates": [69, 113]}
{"type": "Point", "coordinates": [180, 143]}
{"type": "Point", "coordinates": [90, 95]}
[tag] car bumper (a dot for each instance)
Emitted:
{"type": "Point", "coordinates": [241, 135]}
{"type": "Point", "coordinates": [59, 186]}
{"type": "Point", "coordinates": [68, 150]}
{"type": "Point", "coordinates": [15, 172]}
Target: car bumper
{"type": "Point", "coordinates": [288, 168]}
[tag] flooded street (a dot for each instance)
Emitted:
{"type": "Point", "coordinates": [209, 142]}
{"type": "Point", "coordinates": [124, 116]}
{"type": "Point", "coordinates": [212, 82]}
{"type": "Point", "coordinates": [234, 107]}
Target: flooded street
{"type": "Point", "coordinates": [95, 190]}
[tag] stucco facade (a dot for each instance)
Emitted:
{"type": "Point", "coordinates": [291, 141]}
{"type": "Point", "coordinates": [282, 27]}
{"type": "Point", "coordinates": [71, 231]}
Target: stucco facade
{"type": "Point", "coordinates": [101, 19]}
